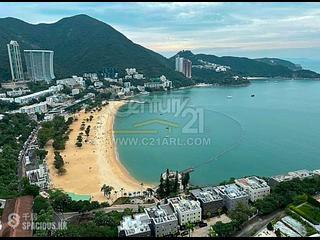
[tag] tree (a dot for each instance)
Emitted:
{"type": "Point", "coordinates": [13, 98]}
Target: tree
{"type": "Point", "coordinates": [176, 182]}
{"type": "Point", "coordinates": [106, 190]}
{"type": "Point", "coordinates": [190, 226]}
{"type": "Point", "coordinates": [223, 229]}
{"type": "Point", "coordinates": [219, 211]}
{"type": "Point", "coordinates": [40, 203]}
{"type": "Point", "coordinates": [58, 161]}
{"type": "Point", "coordinates": [167, 184]}
{"type": "Point", "coordinates": [212, 232]}
{"type": "Point", "coordinates": [278, 232]}
{"type": "Point", "coordinates": [270, 226]}
{"type": "Point", "coordinates": [28, 189]}
{"type": "Point", "coordinates": [161, 190]}
{"type": "Point", "coordinates": [87, 131]}
{"type": "Point", "coordinates": [185, 180]}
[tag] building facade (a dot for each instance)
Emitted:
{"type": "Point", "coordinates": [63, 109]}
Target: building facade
{"type": "Point", "coordinates": [257, 188]}
{"type": "Point", "coordinates": [39, 65]}
{"type": "Point", "coordinates": [138, 226]}
{"type": "Point", "coordinates": [164, 222]}
{"type": "Point", "coordinates": [186, 210]}
{"type": "Point", "coordinates": [35, 108]}
{"type": "Point", "coordinates": [184, 66]}
{"type": "Point", "coordinates": [233, 195]}
{"type": "Point", "coordinates": [15, 61]}
{"type": "Point", "coordinates": [209, 199]}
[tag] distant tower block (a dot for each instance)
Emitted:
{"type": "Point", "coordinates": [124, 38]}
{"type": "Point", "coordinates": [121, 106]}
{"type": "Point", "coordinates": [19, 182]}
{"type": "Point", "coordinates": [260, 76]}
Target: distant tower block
{"type": "Point", "coordinates": [15, 61]}
{"type": "Point", "coordinates": [39, 65]}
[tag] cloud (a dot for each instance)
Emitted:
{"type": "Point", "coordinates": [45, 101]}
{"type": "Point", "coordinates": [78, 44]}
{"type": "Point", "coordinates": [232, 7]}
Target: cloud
{"type": "Point", "coordinates": [168, 27]}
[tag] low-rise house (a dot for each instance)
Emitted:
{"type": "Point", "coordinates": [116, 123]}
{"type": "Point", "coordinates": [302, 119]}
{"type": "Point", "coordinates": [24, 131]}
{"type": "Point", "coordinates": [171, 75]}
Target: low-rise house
{"type": "Point", "coordinates": [164, 221]}
{"type": "Point", "coordinates": [138, 226]}
{"type": "Point", "coordinates": [98, 84]}
{"type": "Point", "coordinates": [233, 195]}
{"type": "Point", "coordinates": [299, 174]}
{"type": "Point", "coordinates": [37, 173]}
{"type": "Point", "coordinates": [2, 203]}
{"type": "Point", "coordinates": [210, 200]}
{"type": "Point", "coordinates": [186, 210]}
{"type": "Point", "coordinates": [257, 188]}
{"type": "Point", "coordinates": [75, 91]}
{"type": "Point", "coordinates": [172, 177]}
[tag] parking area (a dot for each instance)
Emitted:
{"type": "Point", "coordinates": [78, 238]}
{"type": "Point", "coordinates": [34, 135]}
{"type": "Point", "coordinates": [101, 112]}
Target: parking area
{"type": "Point", "coordinates": [204, 231]}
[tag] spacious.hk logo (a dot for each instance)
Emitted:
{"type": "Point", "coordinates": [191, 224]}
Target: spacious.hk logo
{"type": "Point", "coordinates": [13, 220]}
{"type": "Point", "coordinates": [177, 107]}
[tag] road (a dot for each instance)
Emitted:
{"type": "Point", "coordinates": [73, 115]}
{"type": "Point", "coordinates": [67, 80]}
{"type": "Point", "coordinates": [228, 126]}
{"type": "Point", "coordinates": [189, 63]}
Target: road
{"type": "Point", "coordinates": [258, 223]}
{"type": "Point", "coordinates": [32, 139]}
{"type": "Point", "coordinates": [119, 208]}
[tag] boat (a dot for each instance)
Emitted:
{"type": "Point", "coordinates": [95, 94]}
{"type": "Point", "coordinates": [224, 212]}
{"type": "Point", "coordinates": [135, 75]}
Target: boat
{"type": "Point", "coordinates": [229, 96]}
{"type": "Point", "coordinates": [145, 93]}
{"type": "Point", "coordinates": [252, 95]}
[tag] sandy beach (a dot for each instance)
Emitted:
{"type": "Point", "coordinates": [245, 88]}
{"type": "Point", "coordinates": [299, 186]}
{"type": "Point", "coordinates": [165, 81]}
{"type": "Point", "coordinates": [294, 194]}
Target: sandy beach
{"type": "Point", "coordinates": [96, 162]}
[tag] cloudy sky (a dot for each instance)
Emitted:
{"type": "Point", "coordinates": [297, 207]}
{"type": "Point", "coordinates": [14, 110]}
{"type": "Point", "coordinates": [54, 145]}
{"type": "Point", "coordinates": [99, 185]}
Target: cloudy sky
{"type": "Point", "coordinates": [287, 30]}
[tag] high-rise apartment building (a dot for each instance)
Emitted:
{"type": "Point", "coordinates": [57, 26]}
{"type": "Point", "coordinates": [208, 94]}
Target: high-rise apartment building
{"type": "Point", "coordinates": [39, 65]}
{"type": "Point", "coordinates": [15, 61]}
{"type": "Point", "coordinates": [183, 65]}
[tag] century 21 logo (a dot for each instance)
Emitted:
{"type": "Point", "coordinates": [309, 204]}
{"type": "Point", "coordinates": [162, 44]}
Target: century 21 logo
{"type": "Point", "coordinates": [13, 220]}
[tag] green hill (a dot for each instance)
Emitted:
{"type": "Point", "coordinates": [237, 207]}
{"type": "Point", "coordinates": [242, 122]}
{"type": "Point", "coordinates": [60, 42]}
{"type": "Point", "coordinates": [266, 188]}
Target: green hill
{"type": "Point", "coordinates": [244, 67]}
{"type": "Point", "coordinates": [281, 62]}
{"type": "Point", "coordinates": [83, 44]}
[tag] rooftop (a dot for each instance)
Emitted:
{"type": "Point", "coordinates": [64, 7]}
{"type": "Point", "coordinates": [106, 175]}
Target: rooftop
{"type": "Point", "coordinates": [138, 224]}
{"type": "Point", "coordinates": [295, 174]}
{"type": "Point", "coordinates": [161, 214]}
{"type": "Point", "coordinates": [232, 191]}
{"type": "Point", "coordinates": [252, 182]}
{"type": "Point", "coordinates": [184, 205]}
{"type": "Point", "coordinates": [207, 194]}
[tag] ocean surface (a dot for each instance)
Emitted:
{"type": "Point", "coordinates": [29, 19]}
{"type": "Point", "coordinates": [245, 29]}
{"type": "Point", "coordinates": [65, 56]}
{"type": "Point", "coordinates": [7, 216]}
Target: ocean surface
{"type": "Point", "coordinates": [269, 127]}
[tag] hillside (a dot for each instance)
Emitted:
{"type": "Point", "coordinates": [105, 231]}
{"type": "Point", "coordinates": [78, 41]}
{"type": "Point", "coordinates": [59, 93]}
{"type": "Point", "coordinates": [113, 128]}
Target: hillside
{"type": "Point", "coordinates": [277, 61]}
{"type": "Point", "coordinates": [241, 66]}
{"type": "Point", "coordinates": [83, 44]}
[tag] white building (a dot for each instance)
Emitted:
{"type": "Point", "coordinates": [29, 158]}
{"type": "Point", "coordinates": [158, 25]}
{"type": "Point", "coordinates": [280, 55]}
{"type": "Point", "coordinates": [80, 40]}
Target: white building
{"type": "Point", "coordinates": [39, 176]}
{"type": "Point", "coordinates": [75, 91]}
{"type": "Point", "coordinates": [232, 195]}
{"type": "Point", "coordinates": [299, 174]}
{"type": "Point", "coordinates": [186, 210]}
{"type": "Point", "coordinates": [98, 84]}
{"type": "Point", "coordinates": [257, 188]}
{"type": "Point", "coordinates": [35, 108]}
{"type": "Point", "coordinates": [39, 65]}
{"type": "Point", "coordinates": [28, 98]}
{"type": "Point", "coordinates": [15, 61]}
{"type": "Point", "coordinates": [127, 84]}
{"type": "Point", "coordinates": [138, 226]}
{"type": "Point", "coordinates": [19, 92]}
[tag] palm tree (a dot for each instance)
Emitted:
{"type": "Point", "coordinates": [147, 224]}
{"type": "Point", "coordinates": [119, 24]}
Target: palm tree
{"type": "Point", "coordinates": [150, 191]}
{"type": "Point", "coordinates": [121, 190]}
{"type": "Point", "coordinates": [190, 227]}
{"type": "Point", "coordinates": [116, 193]}
{"type": "Point", "coordinates": [212, 232]}
{"type": "Point", "coordinates": [219, 211]}
{"type": "Point", "coordinates": [141, 184]}
{"type": "Point", "coordinates": [106, 190]}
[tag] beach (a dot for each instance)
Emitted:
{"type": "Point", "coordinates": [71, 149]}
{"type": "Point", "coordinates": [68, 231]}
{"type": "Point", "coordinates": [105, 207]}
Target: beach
{"type": "Point", "coordinates": [96, 163]}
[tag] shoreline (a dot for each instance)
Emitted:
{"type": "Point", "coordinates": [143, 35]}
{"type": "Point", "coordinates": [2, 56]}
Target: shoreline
{"type": "Point", "coordinates": [97, 162]}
